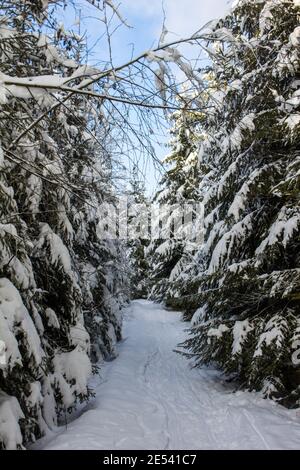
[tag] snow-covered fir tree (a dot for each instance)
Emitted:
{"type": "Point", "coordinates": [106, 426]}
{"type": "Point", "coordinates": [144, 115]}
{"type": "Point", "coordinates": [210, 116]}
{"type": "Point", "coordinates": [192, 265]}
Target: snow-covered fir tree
{"type": "Point", "coordinates": [247, 283]}
{"type": "Point", "coordinates": [58, 281]}
{"type": "Point", "coordinates": [169, 252]}
{"type": "Point", "coordinates": [138, 235]}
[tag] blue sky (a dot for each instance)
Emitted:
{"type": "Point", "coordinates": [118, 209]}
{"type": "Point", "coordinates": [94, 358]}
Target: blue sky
{"type": "Point", "coordinates": [182, 19]}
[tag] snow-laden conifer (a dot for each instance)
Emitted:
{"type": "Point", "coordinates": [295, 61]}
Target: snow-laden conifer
{"type": "Point", "coordinates": [245, 293]}
{"type": "Point", "coordinates": [57, 279]}
{"type": "Point", "coordinates": [171, 249]}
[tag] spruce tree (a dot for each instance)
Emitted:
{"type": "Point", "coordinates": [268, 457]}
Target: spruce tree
{"type": "Point", "coordinates": [245, 293]}
{"type": "Point", "coordinates": [170, 251]}
{"type": "Point", "coordinates": [138, 235]}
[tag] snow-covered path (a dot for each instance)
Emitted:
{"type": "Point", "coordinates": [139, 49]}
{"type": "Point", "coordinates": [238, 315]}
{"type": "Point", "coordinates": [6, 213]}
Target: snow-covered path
{"type": "Point", "coordinates": [149, 398]}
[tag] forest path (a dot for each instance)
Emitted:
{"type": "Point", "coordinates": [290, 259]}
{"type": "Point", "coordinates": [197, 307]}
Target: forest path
{"type": "Point", "coordinates": [149, 398]}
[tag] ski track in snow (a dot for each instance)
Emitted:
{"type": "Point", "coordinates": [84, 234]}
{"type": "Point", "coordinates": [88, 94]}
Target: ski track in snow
{"type": "Point", "coordinates": [149, 398]}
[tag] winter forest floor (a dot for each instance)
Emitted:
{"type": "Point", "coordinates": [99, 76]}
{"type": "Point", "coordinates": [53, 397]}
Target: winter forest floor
{"type": "Point", "coordinates": [148, 398]}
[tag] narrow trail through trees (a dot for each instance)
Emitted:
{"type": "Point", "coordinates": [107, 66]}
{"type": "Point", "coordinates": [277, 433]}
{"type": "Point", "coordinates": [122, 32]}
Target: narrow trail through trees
{"type": "Point", "coordinates": [149, 398]}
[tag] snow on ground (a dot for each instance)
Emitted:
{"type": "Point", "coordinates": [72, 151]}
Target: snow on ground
{"type": "Point", "coordinates": [148, 398]}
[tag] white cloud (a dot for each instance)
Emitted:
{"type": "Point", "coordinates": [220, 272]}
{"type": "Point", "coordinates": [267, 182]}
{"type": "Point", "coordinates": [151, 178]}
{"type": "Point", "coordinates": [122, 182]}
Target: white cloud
{"type": "Point", "coordinates": [186, 17]}
{"type": "Point", "coordinates": [183, 17]}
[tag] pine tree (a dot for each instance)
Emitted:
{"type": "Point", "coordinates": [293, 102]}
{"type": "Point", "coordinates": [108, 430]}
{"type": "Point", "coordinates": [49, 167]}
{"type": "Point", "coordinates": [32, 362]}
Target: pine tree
{"type": "Point", "coordinates": [247, 285]}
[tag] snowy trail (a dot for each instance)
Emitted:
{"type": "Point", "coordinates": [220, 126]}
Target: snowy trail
{"type": "Point", "coordinates": [150, 399]}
